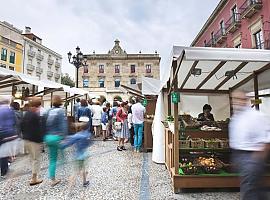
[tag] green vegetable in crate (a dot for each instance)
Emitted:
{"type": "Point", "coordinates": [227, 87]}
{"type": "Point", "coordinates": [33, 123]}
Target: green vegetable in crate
{"type": "Point", "coordinates": [170, 118]}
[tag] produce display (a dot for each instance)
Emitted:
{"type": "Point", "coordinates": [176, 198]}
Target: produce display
{"type": "Point", "coordinates": [200, 165]}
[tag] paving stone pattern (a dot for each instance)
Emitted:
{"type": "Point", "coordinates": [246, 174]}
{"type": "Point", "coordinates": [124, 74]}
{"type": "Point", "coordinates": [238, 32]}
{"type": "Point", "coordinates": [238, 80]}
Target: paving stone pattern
{"type": "Point", "coordinates": [113, 175]}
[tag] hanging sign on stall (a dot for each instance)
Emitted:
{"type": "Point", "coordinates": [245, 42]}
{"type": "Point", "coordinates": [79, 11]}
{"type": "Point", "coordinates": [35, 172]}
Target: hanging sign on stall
{"type": "Point", "coordinates": [256, 101]}
{"type": "Point", "coordinates": [175, 97]}
{"type": "Point", "coordinates": [144, 102]}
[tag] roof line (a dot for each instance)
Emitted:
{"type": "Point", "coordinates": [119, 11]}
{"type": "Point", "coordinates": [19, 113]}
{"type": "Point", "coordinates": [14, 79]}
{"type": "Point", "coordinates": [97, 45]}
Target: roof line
{"type": "Point", "coordinates": [209, 20]}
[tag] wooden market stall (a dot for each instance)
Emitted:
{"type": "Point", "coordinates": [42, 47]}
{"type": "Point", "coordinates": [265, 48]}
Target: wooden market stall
{"type": "Point", "coordinates": [210, 74]}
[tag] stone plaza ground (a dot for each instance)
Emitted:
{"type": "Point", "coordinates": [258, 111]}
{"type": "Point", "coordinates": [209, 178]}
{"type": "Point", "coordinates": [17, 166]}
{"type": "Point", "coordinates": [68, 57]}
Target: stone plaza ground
{"type": "Point", "coordinates": [112, 175]}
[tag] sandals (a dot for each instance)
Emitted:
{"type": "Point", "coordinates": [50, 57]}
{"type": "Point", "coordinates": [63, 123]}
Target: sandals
{"type": "Point", "coordinates": [55, 182]}
{"type": "Point", "coordinates": [32, 183]}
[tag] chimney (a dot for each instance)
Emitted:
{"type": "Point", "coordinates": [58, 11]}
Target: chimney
{"type": "Point", "coordinates": [27, 29]}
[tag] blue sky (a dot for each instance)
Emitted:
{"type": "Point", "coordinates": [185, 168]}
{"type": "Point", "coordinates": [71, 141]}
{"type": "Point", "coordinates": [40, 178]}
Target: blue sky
{"type": "Point", "coordinates": [140, 25]}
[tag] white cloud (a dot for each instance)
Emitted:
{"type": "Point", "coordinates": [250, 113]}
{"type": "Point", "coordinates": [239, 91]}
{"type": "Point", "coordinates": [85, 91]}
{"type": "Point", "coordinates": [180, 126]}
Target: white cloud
{"type": "Point", "coordinates": [146, 25]}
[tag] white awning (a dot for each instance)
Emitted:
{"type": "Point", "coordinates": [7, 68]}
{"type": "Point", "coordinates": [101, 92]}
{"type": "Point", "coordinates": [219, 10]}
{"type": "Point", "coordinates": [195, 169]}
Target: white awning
{"type": "Point", "coordinates": [221, 69]}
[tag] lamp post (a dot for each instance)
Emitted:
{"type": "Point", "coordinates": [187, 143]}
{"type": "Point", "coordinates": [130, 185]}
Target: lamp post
{"type": "Point", "coordinates": [77, 61]}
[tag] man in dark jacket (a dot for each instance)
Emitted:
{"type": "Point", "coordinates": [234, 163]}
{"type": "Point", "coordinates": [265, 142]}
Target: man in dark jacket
{"type": "Point", "coordinates": [32, 132]}
{"type": "Point", "coordinates": [7, 129]}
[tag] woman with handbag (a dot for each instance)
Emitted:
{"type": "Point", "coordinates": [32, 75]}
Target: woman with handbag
{"type": "Point", "coordinates": [123, 132]}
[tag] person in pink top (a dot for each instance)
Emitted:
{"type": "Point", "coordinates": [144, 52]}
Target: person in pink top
{"type": "Point", "coordinates": [123, 133]}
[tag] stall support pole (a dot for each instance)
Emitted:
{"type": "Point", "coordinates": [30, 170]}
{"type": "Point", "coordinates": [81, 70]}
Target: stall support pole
{"type": "Point", "coordinates": [256, 90]}
{"type": "Point", "coordinates": [176, 134]}
{"type": "Point", "coordinates": [230, 101]}
{"type": "Point", "coordinates": [51, 99]}
{"type": "Point", "coordinates": [66, 103]}
{"type": "Point", "coordinates": [169, 100]}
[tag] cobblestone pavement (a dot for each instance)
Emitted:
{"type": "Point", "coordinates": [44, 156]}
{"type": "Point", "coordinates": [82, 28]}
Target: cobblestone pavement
{"type": "Point", "coordinates": [112, 175]}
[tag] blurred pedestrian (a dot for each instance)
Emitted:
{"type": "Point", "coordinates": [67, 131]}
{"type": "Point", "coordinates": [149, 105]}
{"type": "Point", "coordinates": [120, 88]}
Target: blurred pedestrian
{"type": "Point", "coordinates": [57, 128]}
{"type": "Point", "coordinates": [32, 132]}
{"type": "Point", "coordinates": [250, 140]}
{"type": "Point", "coordinates": [7, 132]}
{"type": "Point", "coordinates": [18, 116]}
{"type": "Point", "coordinates": [113, 114]}
{"type": "Point", "coordinates": [138, 111]}
{"type": "Point", "coordinates": [85, 112]}
{"type": "Point", "coordinates": [104, 123]}
{"type": "Point", "coordinates": [130, 126]}
{"type": "Point", "coordinates": [122, 133]}
{"type": "Point", "coordinates": [81, 141]}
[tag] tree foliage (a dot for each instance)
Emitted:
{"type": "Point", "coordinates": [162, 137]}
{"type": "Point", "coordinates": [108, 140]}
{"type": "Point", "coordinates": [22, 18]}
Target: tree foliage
{"type": "Point", "coordinates": [67, 80]}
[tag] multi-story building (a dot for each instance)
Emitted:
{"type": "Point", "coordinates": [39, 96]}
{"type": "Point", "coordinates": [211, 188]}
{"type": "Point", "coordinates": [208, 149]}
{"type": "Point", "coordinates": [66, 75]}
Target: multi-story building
{"type": "Point", "coordinates": [39, 60]}
{"type": "Point", "coordinates": [106, 72]}
{"type": "Point", "coordinates": [11, 46]}
{"type": "Point", "coordinates": [237, 24]}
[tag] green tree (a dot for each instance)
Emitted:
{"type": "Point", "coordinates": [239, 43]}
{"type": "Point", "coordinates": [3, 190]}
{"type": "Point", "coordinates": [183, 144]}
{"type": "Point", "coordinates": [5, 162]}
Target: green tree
{"type": "Point", "coordinates": [67, 80]}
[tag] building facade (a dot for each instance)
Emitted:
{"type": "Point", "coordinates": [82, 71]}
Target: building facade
{"type": "Point", "coordinates": [237, 24]}
{"type": "Point", "coordinates": [11, 47]}
{"type": "Point", "coordinates": [39, 60]}
{"type": "Point", "coordinates": [104, 73]}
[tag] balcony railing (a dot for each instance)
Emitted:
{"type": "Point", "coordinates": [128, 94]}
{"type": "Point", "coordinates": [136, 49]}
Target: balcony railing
{"type": "Point", "coordinates": [57, 65]}
{"type": "Point", "coordinates": [50, 74]}
{"type": "Point", "coordinates": [250, 7]}
{"type": "Point", "coordinates": [221, 35]}
{"type": "Point", "coordinates": [40, 57]}
{"type": "Point", "coordinates": [31, 53]}
{"type": "Point", "coordinates": [234, 23]}
{"type": "Point", "coordinates": [50, 61]}
{"type": "Point", "coordinates": [211, 43]}
{"type": "Point", "coordinates": [56, 76]}
{"type": "Point", "coordinates": [30, 67]}
{"type": "Point", "coordinates": [39, 70]}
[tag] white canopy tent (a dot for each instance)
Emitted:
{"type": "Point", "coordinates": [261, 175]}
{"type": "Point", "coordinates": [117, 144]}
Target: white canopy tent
{"type": "Point", "coordinates": [216, 71]}
{"type": "Point", "coordinates": [9, 78]}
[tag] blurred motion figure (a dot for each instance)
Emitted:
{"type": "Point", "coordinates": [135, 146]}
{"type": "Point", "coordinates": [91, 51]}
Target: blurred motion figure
{"type": "Point", "coordinates": [250, 140]}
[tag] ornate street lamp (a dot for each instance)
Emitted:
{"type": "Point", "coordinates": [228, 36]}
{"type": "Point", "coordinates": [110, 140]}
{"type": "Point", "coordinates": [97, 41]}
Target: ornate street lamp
{"type": "Point", "coordinates": [77, 61]}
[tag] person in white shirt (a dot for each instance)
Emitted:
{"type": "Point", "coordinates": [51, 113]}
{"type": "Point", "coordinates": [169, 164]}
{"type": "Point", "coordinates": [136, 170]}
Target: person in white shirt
{"type": "Point", "coordinates": [97, 112]}
{"type": "Point", "coordinates": [249, 133]}
{"type": "Point", "coordinates": [138, 111]}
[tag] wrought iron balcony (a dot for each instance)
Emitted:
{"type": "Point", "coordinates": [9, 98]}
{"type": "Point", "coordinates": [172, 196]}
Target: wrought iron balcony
{"type": "Point", "coordinates": [30, 67]}
{"type": "Point", "coordinates": [50, 61]}
{"type": "Point", "coordinates": [250, 7]}
{"type": "Point", "coordinates": [221, 35]}
{"type": "Point", "coordinates": [31, 53]}
{"type": "Point", "coordinates": [40, 57]}
{"type": "Point", "coordinates": [57, 65]}
{"type": "Point", "coordinates": [50, 74]}
{"type": "Point", "coordinates": [234, 23]}
{"type": "Point", "coordinates": [211, 43]}
{"type": "Point", "coordinates": [39, 70]}
{"type": "Point", "coordinates": [56, 76]}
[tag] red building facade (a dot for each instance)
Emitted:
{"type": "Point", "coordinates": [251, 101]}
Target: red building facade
{"type": "Point", "coordinates": [237, 24]}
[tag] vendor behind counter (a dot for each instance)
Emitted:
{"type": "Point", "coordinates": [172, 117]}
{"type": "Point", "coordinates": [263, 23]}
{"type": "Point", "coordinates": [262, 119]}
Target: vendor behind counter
{"type": "Point", "coordinates": [206, 115]}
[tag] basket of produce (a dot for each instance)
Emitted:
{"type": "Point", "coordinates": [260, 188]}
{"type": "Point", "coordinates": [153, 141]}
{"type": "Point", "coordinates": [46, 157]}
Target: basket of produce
{"type": "Point", "coordinates": [196, 143]}
{"type": "Point", "coordinates": [210, 165]}
{"type": "Point", "coordinates": [184, 144]}
{"type": "Point", "coordinates": [224, 143]}
{"type": "Point", "coordinates": [212, 143]}
{"type": "Point", "coordinates": [189, 122]}
{"type": "Point", "coordinates": [186, 167]}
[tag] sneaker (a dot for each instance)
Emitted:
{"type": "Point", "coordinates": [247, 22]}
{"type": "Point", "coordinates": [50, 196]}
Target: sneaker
{"type": "Point", "coordinates": [123, 148]}
{"type": "Point", "coordinates": [86, 184]}
{"type": "Point", "coordinates": [119, 148]}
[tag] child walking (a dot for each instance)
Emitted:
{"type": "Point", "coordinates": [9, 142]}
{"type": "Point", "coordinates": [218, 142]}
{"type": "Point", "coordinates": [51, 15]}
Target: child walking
{"type": "Point", "coordinates": [81, 140]}
{"type": "Point", "coordinates": [104, 123]}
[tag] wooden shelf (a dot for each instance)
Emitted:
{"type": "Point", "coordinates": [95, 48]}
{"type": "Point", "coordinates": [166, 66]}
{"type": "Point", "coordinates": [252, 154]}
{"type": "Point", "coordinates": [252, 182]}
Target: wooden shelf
{"type": "Point", "coordinates": [204, 149]}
